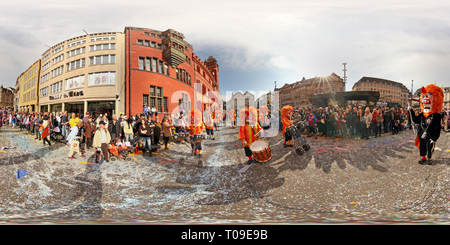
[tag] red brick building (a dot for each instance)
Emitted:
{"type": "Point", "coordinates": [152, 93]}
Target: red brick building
{"type": "Point", "coordinates": [161, 71]}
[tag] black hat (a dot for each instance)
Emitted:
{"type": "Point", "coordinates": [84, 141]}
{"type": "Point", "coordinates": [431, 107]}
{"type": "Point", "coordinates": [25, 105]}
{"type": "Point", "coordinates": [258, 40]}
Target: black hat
{"type": "Point", "coordinates": [102, 122]}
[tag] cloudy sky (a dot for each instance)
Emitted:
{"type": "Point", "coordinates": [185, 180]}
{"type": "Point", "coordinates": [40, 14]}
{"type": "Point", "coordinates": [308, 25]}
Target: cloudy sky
{"type": "Point", "coordinates": [255, 42]}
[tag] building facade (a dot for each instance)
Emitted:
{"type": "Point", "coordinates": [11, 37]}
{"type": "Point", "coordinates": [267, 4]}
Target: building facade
{"type": "Point", "coordinates": [446, 98]}
{"type": "Point", "coordinates": [29, 88]}
{"type": "Point", "coordinates": [162, 72]}
{"type": "Point", "coordinates": [84, 74]}
{"type": "Point", "coordinates": [390, 91]}
{"type": "Point", "coordinates": [17, 93]}
{"type": "Point", "coordinates": [296, 94]}
{"type": "Point", "coordinates": [7, 97]}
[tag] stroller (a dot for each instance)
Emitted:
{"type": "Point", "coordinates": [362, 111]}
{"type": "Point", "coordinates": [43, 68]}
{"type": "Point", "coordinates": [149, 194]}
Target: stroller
{"type": "Point", "coordinates": [300, 144]}
{"type": "Point", "coordinates": [55, 134]}
{"type": "Point", "coordinates": [120, 152]}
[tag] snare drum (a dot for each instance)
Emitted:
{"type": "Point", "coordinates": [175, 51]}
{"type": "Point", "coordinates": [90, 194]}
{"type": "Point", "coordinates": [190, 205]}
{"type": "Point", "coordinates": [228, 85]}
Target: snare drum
{"type": "Point", "coordinates": [197, 138]}
{"type": "Point", "coordinates": [291, 130]}
{"type": "Point", "coordinates": [261, 150]}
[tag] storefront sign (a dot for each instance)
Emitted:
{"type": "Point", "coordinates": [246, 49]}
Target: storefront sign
{"type": "Point", "coordinates": [55, 97]}
{"type": "Point", "coordinates": [73, 93]}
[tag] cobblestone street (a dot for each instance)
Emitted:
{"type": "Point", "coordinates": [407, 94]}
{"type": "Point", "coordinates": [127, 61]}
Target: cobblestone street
{"type": "Point", "coordinates": [336, 181]}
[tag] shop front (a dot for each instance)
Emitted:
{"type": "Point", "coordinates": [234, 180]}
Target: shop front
{"type": "Point", "coordinates": [55, 108]}
{"type": "Point", "coordinates": [75, 107]}
{"type": "Point", "coordinates": [97, 108]}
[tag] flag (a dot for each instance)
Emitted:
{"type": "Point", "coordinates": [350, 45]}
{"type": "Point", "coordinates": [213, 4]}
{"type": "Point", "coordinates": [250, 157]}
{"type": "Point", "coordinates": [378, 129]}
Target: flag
{"type": "Point", "coordinates": [21, 173]}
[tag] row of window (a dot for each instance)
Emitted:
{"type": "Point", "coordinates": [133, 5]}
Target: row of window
{"type": "Point", "coordinates": [156, 99]}
{"type": "Point", "coordinates": [30, 84]}
{"type": "Point", "coordinates": [76, 43]}
{"type": "Point", "coordinates": [98, 78]}
{"type": "Point", "coordinates": [57, 50]}
{"type": "Point", "coordinates": [57, 59]}
{"type": "Point", "coordinates": [102, 59]}
{"type": "Point", "coordinates": [57, 71]}
{"type": "Point", "coordinates": [154, 65]}
{"type": "Point", "coordinates": [30, 73]}
{"type": "Point", "coordinates": [149, 43]}
{"type": "Point", "coordinates": [183, 76]}
{"type": "Point", "coordinates": [31, 95]}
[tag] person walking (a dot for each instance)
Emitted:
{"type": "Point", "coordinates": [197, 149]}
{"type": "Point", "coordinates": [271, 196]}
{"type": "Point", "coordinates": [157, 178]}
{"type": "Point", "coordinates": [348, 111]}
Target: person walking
{"type": "Point", "coordinates": [89, 129]}
{"type": "Point", "coordinates": [74, 137]}
{"type": "Point", "coordinates": [45, 130]}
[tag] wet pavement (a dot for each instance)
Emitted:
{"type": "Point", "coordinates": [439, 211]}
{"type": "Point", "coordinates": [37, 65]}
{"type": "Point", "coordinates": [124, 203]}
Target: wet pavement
{"type": "Point", "coordinates": [336, 181]}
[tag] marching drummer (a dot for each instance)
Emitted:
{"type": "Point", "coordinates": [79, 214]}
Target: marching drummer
{"type": "Point", "coordinates": [247, 132]}
{"type": "Point", "coordinates": [286, 114]}
{"type": "Point", "coordinates": [208, 121]}
{"type": "Point", "coordinates": [195, 131]}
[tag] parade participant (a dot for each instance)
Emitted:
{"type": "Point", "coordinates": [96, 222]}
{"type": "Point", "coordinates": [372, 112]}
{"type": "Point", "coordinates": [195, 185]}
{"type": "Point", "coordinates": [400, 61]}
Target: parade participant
{"type": "Point", "coordinates": [286, 116]}
{"type": "Point", "coordinates": [196, 127]}
{"type": "Point", "coordinates": [429, 128]}
{"type": "Point", "coordinates": [263, 118]}
{"type": "Point", "coordinates": [248, 131]}
{"type": "Point", "coordinates": [209, 123]}
{"type": "Point", "coordinates": [217, 119]}
{"type": "Point", "coordinates": [232, 118]}
{"type": "Point", "coordinates": [45, 130]}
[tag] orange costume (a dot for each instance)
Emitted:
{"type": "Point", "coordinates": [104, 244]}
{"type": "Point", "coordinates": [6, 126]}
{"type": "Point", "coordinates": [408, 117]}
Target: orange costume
{"type": "Point", "coordinates": [233, 118]}
{"type": "Point", "coordinates": [286, 114]}
{"type": "Point", "coordinates": [429, 121]}
{"type": "Point", "coordinates": [209, 122]}
{"type": "Point", "coordinates": [196, 127]}
{"type": "Point", "coordinates": [247, 132]}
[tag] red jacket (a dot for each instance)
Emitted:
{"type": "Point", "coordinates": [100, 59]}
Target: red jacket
{"type": "Point", "coordinates": [374, 117]}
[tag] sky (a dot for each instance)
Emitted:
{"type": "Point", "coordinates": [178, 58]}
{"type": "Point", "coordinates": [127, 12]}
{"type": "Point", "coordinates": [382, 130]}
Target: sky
{"type": "Point", "coordinates": [255, 42]}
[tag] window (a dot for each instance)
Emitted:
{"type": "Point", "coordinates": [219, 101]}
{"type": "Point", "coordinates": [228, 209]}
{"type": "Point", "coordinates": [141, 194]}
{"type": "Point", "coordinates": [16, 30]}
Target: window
{"type": "Point", "coordinates": [75, 64]}
{"type": "Point", "coordinates": [102, 38]}
{"type": "Point", "coordinates": [104, 46]}
{"type": "Point", "coordinates": [57, 59]}
{"type": "Point", "coordinates": [76, 52]}
{"type": "Point", "coordinates": [102, 59]}
{"type": "Point", "coordinates": [141, 63]}
{"type": "Point", "coordinates": [45, 78]}
{"type": "Point", "coordinates": [43, 92]}
{"type": "Point", "coordinates": [56, 87]}
{"type": "Point", "coordinates": [156, 98]}
{"type": "Point", "coordinates": [76, 43]}
{"type": "Point", "coordinates": [57, 50]}
{"type": "Point", "coordinates": [57, 71]}
{"type": "Point", "coordinates": [102, 78]}
{"type": "Point", "coordinates": [75, 82]}
{"type": "Point", "coordinates": [46, 66]}
{"type": "Point", "coordinates": [144, 100]}
{"type": "Point", "coordinates": [166, 104]}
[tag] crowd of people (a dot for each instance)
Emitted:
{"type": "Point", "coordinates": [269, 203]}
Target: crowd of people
{"type": "Point", "coordinates": [103, 130]}
{"type": "Point", "coordinates": [356, 122]}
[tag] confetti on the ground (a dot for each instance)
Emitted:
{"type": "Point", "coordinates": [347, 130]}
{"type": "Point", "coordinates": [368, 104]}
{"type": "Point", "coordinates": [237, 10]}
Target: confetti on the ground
{"type": "Point", "coordinates": [353, 203]}
{"type": "Point", "coordinates": [321, 151]}
{"type": "Point", "coordinates": [86, 162]}
{"type": "Point", "coordinates": [3, 151]}
{"type": "Point", "coordinates": [341, 149]}
{"type": "Point", "coordinates": [236, 144]}
{"type": "Point", "coordinates": [173, 160]}
{"type": "Point", "coordinates": [155, 153]}
{"type": "Point", "coordinates": [135, 159]}
{"type": "Point", "coordinates": [21, 173]}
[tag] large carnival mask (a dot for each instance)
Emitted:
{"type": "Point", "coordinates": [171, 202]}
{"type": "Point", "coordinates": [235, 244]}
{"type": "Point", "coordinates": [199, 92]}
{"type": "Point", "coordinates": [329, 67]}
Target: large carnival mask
{"type": "Point", "coordinates": [426, 100]}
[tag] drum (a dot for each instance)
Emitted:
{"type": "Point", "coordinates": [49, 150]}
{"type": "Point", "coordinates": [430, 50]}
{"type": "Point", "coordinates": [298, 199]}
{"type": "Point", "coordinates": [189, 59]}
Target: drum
{"type": "Point", "coordinates": [182, 136]}
{"type": "Point", "coordinates": [197, 138]}
{"type": "Point", "coordinates": [261, 150]}
{"type": "Point", "coordinates": [291, 130]}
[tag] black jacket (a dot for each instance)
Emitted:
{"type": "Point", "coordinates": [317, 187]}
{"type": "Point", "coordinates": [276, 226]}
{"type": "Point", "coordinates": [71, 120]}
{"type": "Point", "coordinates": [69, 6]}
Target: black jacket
{"type": "Point", "coordinates": [114, 128]}
{"type": "Point", "coordinates": [433, 129]}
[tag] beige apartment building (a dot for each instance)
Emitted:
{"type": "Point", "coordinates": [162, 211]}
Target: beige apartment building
{"type": "Point", "coordinates": [29, 87]}
{"type": "Point", "coordinates": [84, 74]}
{"type": "Point", "coordinates": [390, 91]}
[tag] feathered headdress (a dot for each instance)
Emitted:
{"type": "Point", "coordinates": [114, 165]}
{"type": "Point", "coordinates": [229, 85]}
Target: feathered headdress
{"type": "Point", "coordinates": [251, 113]}
{"type": "Point", "coordinates": [286, 110]}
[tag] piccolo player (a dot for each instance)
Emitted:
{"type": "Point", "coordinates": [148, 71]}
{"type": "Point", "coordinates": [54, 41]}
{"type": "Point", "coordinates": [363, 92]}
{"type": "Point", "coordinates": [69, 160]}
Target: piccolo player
{"type": "Point", "coordinates": [248, 130]}
{"type": "Point", "coordinates": [196, 128]}
{"type": "Point", "coordinates": [429, 121]}
{"type": "Point", "coordinates": [286, 115]}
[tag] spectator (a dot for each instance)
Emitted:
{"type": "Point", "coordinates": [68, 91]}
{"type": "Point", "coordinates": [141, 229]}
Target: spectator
{"type": "Point", "coordinates": [101, 140]}
{"type": "Point", "coordinates": [89, 129]}
{"type": "Point", "coordinates": [128, 130]}
{"type": "Point", "coordinates": [167, 125]}
{"type": "Point", "coordinates": [114, 129]}
{"type": "Point", "coordinates": [145, 133]}
{"type": "Point", "coordinates": [157, 131]}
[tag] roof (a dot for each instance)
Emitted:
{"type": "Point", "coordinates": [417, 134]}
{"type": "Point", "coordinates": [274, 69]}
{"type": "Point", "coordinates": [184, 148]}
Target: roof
{"type": "Point", "coordinates": [381, 81]}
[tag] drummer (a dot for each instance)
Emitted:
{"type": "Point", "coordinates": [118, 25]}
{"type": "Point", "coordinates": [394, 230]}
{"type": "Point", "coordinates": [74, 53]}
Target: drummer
{"type": "Point", "coordinates": [196, 127]}
{"type": "Point", "coordinates": [232, 118]}
{"type": "Point", "coordinates": [286, 115]}
{"type": "Point", "coordinates": [248, 130]}
{"type": "Point", "coordinates": [208, 121]}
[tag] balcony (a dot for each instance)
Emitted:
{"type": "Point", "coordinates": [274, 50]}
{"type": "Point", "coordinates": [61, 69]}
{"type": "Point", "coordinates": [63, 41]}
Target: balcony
{"type": "Point", "coordinates": [174, 56]}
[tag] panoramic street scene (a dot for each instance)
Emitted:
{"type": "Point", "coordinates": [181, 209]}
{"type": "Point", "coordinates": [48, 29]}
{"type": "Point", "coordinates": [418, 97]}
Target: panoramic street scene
{"type": "Point", "coordinates": [225, 113]}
